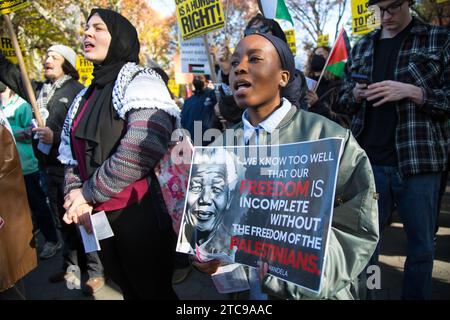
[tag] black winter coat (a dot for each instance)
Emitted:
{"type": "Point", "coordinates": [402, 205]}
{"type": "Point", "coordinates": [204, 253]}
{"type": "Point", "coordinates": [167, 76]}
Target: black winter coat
{"type": "Point", "coordinates": [57, 106]}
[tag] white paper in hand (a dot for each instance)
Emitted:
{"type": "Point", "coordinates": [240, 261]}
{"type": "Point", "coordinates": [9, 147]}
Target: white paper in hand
{"type": "Point", "coordinates": [100, 230]}
{"type": "Point", "coordinates": [230, 278]}
{"type": "Point", "coordinates": [90, 240]}
{"type": "Point", "coordinates": [101, 226]}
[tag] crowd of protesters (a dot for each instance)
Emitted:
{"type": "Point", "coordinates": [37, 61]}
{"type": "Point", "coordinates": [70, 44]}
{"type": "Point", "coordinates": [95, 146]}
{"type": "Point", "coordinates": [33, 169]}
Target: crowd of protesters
{"type": "Point", "coordinates": [105, 141]}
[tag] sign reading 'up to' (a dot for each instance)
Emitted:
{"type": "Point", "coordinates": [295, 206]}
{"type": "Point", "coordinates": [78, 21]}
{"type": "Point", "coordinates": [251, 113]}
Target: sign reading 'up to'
{"type": "Point", "coordinates": [365, 18]}
{"type": "Point", "coordinates": [198, 17]}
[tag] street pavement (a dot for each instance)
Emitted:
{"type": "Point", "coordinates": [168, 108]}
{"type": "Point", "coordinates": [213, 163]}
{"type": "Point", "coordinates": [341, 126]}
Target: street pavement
{"type": "Point", "coordinates": [199, 286]}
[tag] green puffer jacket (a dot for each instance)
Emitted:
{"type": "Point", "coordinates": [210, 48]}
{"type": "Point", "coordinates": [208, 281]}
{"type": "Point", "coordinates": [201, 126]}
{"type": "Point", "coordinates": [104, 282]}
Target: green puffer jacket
{"type": "Point", "coordinates": [19, 115]}
{"type": "Point", "coordinates": [354, 230]}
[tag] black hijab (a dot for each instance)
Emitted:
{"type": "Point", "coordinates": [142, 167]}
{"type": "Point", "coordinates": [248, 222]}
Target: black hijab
{"type": "Point", "coordinates": [100, 127]}
{"type": "Point", "coordinates": [124, 46]}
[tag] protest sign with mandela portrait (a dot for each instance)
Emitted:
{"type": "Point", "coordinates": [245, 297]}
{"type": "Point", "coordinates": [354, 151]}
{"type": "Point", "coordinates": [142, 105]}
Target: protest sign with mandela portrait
{"type": "Point", "coordinates": [244, 206]}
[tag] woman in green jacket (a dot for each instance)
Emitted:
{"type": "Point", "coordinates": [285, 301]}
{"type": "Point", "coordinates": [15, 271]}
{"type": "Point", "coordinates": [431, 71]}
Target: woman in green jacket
{"type": "Point", "coordinates": [261, 66]}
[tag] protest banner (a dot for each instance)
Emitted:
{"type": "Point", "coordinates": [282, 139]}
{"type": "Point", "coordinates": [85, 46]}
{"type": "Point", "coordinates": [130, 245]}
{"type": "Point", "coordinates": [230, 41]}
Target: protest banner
{"type": "Point", "coordinates": [7, 49]}
{"type": "Point", "coordinates": [323, 40]}
{"type": "Point", "coordinates": [12, 5]}
{"type": "Point", "coordinates": [290, 37]}
{"type": "Point", "coordinates": [198, 17]}
{"type": "Point", "coordinates": [85, 69]}
{"type": "Point", "coordinates": [194, 58]}
{"type": "Point", "coordinates": [246, 204]}
{"type": "Point", "coordinates": [364, 18]}
{"type": "Point", "coordinates": [174, 87]}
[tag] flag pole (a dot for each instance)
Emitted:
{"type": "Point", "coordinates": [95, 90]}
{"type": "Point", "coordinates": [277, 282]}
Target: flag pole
{"type": "Point", "coordinates": [210, 62]}
{"type": "Point", "coordinates": [328, 60]}
{"type": "Point", "coordinates": [226, 23]}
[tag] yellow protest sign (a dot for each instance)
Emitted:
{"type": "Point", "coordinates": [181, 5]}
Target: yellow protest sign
{"type": "Point", "coordinates": [290, 37]}
{"type": "Point", "coordinates": [12, 5]}
{"type": "Point", "coordinates": [364, 18]}
{"type": "Point", "coordinates": [85, 69]}
{"type": "Point", "coordinates": [198, 17]}
{"type": "Point", "coordinates": [7, 49]}
{"type": "Point", "coordinates": [323, 40]}
{"type": "Point", "coordinates": [174, 87]}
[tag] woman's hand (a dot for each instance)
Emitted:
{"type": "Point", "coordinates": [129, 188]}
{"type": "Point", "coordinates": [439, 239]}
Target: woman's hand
{"type": "Point", "coordinates": [208, 267]}
{"type": "Point", "coordinates": [262, 269]}
{"type": "Point", "coordinates": [224, 60]}
{"type": "Point", "coordinates": [81, 215]}
{"type": "Point", "coordinates": [73, 200]}
{"type": "Point", "coordinates": [311, 97]}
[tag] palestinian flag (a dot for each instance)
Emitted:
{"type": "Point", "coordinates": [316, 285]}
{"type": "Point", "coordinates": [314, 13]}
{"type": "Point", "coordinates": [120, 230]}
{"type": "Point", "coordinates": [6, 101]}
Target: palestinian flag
{"type": "Point", "coordinates": [275, 9]}
{"type": "Point", "coordinates": [339, 55]}
{"type": "Point", "coordinates": [196, 68]}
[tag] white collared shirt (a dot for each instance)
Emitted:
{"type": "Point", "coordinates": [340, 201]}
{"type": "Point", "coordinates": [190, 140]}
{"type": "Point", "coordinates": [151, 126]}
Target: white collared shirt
{"type": "Point", "coordinates": [269, 125]}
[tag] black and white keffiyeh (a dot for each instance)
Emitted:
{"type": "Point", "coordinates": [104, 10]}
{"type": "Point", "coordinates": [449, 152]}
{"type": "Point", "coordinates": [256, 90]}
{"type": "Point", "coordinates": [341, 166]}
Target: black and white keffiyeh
{"type": "Point", "coordinates": [48, 90]}
{"type": "Point", "coordinates": [136, 87]}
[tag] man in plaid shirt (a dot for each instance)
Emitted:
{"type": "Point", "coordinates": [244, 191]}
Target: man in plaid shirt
{"type": "Point", "coordinates": [400, 119]}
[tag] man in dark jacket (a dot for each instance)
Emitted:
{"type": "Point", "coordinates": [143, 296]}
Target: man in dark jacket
{"type": "Point", "coordinates": [198, 108]}
{"type": "Point", "coordinates": [54, 97]}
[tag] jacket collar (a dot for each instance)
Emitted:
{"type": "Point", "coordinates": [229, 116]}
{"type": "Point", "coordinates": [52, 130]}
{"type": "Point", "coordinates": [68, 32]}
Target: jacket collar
{"type": "Point", "coordinates": [239, 128]}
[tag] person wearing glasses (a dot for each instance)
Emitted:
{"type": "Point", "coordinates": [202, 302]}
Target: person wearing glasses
{"type": "Point", "coordinates": [400, 119]}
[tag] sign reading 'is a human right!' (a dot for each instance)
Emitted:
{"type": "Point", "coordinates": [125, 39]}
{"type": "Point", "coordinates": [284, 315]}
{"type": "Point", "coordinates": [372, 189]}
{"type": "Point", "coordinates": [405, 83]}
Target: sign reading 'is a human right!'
{"type": "Point", "coordinates": [198, 17]}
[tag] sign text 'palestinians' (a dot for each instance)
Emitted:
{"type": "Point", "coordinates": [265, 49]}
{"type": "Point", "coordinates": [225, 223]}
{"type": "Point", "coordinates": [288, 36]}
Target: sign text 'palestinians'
{"type": "Point", "coordinates": [271, 203]}
{"type": "Point", "coordinates": [198, 17]}
{"type": "Point", "coordinates": [12, 5]}
{"type": "Point", "coordinates": [364, 18]}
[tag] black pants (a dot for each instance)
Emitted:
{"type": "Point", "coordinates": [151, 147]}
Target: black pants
{"type": "Point", "coordinates": [73, 251]}
{"type": "Point", "coordinates": [39, 207]}
{"type": "Point", "coordinates": [140, 256]}
{"type": "Point", "coordinates": [56, 196]}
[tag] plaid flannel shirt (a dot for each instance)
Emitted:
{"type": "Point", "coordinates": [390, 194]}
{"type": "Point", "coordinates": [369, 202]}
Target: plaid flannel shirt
{"type": "Point", "coordinates": [422, 131]}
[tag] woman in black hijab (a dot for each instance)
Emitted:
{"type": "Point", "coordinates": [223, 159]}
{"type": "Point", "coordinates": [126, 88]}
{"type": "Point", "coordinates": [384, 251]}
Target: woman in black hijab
{"type": "Point", "coordinates": [115, 133]}
{"type": "Point", "coordinates": [227, 113]}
